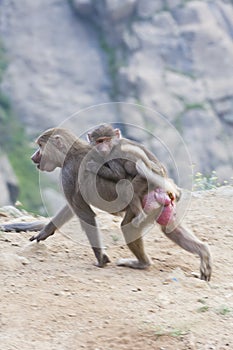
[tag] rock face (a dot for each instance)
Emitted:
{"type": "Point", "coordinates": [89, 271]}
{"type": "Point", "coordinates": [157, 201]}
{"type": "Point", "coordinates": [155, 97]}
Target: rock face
{"type": "Point", "coordinates": [8, 183]}
{"type": "Point", "coordinates": [175, 57]}
{"type": "Point", "coordinates": [56, 65]}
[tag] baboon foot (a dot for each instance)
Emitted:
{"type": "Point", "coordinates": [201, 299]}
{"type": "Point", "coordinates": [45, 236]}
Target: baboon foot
{"type": "Point", "coordinates": [206, 267]}
{"type": "Point", "coordinates": [134, 264]}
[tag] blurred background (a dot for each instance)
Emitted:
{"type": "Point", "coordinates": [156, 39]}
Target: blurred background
{"type": "Point", "coordinates": [60, 57]}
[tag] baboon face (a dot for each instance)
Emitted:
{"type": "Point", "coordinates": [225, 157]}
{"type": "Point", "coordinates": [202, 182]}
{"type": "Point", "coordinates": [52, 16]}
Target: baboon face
{"type": "Point", "coordinates": [104, 138]}
{"type": "Point", "coordinates": [50, 153]}
{"type": "Point", "coordinates": [43, 158]}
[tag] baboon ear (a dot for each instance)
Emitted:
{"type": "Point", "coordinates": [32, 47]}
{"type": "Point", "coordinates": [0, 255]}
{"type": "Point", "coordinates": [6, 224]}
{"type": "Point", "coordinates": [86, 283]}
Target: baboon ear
{"type": "Point", "coordinates": [38, 142]}
{"type": "Point", "coordinates": [59, 141]}
{"type": "Point", "coordinates": [89, 138]}
{"type": "Point", "coordinates": [117, 133]}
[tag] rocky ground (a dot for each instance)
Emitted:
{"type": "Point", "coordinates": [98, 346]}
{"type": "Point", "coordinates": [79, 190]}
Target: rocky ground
{"type": "Point", "coordinates": [53, 297]}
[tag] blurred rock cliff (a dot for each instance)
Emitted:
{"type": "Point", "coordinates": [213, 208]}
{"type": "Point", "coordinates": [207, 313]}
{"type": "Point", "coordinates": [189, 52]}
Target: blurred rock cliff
{"type": "Point", "coordinates": [171, 56]}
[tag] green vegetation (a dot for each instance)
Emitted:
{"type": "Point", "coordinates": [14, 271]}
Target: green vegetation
{"type": "Point", "coordinates": [172, 333]}
{"type": "Point", "coordinates": [224, 310]}
{"type": "Point", "coordinates": [184, 2]}
{"type": "Point", "coordinates": [190, 106]}
{"type": "Point", "coordinates": [202, 301]}
{"type": "Point", "coordinates": [14, 143]}
{"type": "Point", "coordinates": [203, 308]}
{"type": "Point", "coordinates": [115, 238]}
{"type": "Point", "coordinates": [180, 72]}
{"type": "Point", "coordinates": [3, 63]}
{"type": "Point", "coordinates": [178, 123]}
{"type": "Point", "coordinates": [113, 66]}
{"type": "Point", "coordinates": [208, 182]}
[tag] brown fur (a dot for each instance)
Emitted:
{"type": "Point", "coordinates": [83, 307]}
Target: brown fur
{"type": "Point", "coordinates": [70, 153]}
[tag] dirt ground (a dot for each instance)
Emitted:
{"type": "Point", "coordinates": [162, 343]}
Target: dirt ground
{"type": "Point", "coordinates": [53, 297]}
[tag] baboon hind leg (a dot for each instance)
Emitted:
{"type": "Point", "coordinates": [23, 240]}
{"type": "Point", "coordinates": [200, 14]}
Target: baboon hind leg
{"type": "Point", "coordinates": [135, 243]}
{"type": "Point", "coordinates": [188, 241]}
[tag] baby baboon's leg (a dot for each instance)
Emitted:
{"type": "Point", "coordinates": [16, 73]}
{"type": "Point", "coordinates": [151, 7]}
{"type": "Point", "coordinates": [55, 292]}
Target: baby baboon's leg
{"type": "Point", "coordinates": [140, 188]}
{"type": "Point", "coordinates": [134, 242]}
{"type": "Point", "coordinates": [188, 241]}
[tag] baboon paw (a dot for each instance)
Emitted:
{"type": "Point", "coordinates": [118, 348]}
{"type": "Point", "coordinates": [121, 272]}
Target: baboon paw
{"type": "Point", "coordinates": [205, 270]}
{"type": "Point", "coordinates": [33, 238]}
{"type": "Point", "coordinates": [104, 261]}
{"type": "Point", "coordinates": [41, 236]}
{"type": "Point", "coordinates": [134, 264]}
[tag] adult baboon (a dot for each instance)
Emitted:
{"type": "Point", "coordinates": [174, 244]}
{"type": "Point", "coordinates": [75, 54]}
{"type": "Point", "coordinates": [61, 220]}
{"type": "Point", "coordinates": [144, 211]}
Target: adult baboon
{"type": "Point", "coordinates": [60, 148]}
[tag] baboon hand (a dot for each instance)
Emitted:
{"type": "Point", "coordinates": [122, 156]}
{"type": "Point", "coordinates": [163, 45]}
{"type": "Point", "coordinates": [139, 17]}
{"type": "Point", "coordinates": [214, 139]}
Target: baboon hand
{"type": "Point", "coordinates": [41, 236]}
{"type": "Point", "coordinates": [104, 261]}
{"type": "Point", "coordinates": [101, 257]}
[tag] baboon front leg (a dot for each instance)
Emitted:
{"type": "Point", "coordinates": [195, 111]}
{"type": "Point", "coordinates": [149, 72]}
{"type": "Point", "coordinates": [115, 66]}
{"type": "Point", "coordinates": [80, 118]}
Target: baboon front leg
{"type": "Point", "coordinates": [188, 241]}
{"type": "Point", "coordinates": [135, 243]}
{"type": "Point", "coordinates": [64, 215]}
{"type": "Point", "coordinates": [94, 238]}
{"type": "Point", "coordinates": [88, 222]}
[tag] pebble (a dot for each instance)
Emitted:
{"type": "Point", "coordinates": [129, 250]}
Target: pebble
{"type": "Point", "coordinates": [12, 261]}
{"type": "Point", "coordinates": [97, 281]}
{"type": "Point", "coordinates": [24, 260]}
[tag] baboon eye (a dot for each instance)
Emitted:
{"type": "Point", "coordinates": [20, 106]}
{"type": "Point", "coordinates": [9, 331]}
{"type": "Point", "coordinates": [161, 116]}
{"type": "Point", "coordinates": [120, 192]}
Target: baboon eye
{"type": "Point", "coordinates": [104, 139]}
{"type": "Point", "coordinates": [100, 140]}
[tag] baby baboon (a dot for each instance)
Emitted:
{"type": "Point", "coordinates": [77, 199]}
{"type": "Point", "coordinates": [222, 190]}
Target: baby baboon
{"type": "Point", "coordinates": [116, 158]}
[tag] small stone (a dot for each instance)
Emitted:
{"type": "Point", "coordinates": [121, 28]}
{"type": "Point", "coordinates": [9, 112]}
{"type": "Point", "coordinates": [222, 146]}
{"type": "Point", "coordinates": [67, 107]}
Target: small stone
{"type": "Point", "coordinates": [97, 281]}
{"type": "Point", "coordinates": [24, 261]}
